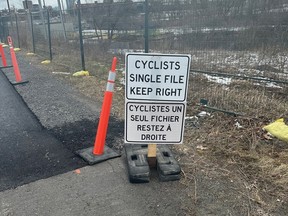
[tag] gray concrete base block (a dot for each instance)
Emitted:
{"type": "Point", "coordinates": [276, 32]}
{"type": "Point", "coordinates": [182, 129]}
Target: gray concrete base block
{"type": "Point", "coordinates": [138, 168]}
{"type": "Point", "coordinates": [91, 159]}
{"type": "Point", "coordinates": [167, 167]}
{"type": "Point", "coordinates": [165, 178]}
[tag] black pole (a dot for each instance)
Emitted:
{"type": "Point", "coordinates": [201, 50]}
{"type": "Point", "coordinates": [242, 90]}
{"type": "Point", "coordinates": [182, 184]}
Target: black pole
{"type": "Point", "coordinates": [1, 30]}
{"type": "Point", "coordinates": [17, 30]}
{"type": "Point", "coordinates": [32, 32]}
{"type": "Point", "coordinates": [49, 35]}
{"type": "Point", "coordinates": [146, 34]}
{"type": "Point", "coordinates": [8, 5]}
{"type": "Point", "coordinates": [9, 10]}
{"type": "Point", "coordinates": [80, 35]}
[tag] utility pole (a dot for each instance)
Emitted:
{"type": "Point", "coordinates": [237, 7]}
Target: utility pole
{"type": "Point", "coordinates": [62, 21]}
{"type": "Point", "coordinates": [31, 23]}
{"type": "Point", "coordinates": [62, 5]}
{"type": "Point", "coordinates": [67, 5]}
{"type": "Point", "coordinates": [8, 5]}
{"type": "Point", "coordinates": [26, 2]}
{"type": "Point", "coordinates": [42, 18]}
{"type": "Point", "coordinates": [9, 10]}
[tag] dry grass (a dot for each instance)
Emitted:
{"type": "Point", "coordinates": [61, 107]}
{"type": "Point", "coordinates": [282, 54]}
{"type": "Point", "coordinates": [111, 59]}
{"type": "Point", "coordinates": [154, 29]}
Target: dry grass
{"type": "Point", "coordinates": [260, 161]}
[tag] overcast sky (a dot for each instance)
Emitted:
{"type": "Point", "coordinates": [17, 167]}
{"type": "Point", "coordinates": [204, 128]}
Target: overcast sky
{"type": "Point", "coordinates": [18, 3]}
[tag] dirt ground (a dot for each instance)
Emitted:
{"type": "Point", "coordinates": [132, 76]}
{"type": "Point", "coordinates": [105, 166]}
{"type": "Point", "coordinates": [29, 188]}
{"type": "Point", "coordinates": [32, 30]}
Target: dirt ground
{"type": "Point", "coordinates": [226, 160]}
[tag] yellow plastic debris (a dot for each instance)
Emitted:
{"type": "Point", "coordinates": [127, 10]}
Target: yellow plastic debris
{"type": "Point", "coordinates": [17, 49]}
{"type": "Point", "coordinates": [30, 54]}
{"type": "Point", "coordinates": [278, 129]}
{"type": "Point", "coordinates": [46, 62]}
{"type": "Point", "coordinates": [81, 73]}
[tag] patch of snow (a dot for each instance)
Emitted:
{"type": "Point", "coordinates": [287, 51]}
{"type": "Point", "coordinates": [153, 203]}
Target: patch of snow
{"type": "Point", "coordinates": [269, 85]}
{"type": "Point", "coordinates": [238, 125]}
{"type": "Point", "coordinates": [203, 114]}
{"type": "Point", "coordinates": [220, 80]}
{"type": "Point", "coordinates": [273, 85]}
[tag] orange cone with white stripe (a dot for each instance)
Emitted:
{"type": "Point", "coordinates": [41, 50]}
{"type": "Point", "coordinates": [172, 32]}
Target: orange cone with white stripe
{"type": "Point", "coordinates": [3, 57]}
{"type": "Point", "coordinates": [14, 61]}
{"type": "Point", "coordinates": [105, 112]}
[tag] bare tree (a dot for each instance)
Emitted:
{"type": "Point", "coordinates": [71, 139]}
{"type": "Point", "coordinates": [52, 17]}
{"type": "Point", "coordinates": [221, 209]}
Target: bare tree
{"type": "Point", "coordinates": [110, 16]}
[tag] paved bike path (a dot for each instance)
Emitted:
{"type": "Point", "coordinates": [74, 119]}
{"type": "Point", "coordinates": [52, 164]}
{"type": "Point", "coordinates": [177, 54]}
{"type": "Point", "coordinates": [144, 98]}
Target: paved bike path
{"type": "Point", "coordinates": [28, 152]}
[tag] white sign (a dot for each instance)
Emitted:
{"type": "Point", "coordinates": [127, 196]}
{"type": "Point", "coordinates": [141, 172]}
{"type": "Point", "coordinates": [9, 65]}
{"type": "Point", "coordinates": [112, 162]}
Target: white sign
{"type": "Point", "coordinates": [157, 77]}
{"type": "Point", "coordinates": [154, 123]}
{"type": "Point", "coordinates": [155, 98]}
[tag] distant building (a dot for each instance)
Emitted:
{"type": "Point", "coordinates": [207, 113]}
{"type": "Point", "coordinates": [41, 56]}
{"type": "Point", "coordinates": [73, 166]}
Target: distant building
{"type": "Point", "coordinates": [70, 4]}
{"type": "Point", "coordinates": [27, 5]}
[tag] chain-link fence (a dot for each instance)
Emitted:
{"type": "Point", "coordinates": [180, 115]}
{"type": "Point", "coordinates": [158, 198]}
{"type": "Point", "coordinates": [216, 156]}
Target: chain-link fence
{"type": "Point", "coordinates": [4, 28]}
{"type": "Point", "coordinates": [221, 35]}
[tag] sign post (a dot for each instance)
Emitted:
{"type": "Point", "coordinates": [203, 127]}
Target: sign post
{"type": "Point", "coordinates": [152, 154]}
{"type": "Point", "coordinates": [155, 99]}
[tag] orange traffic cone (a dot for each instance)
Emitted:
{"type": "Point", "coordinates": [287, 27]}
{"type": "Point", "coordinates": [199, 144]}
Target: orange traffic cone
{"type": "Point", "coordinates": [4, 62]}
{"type": "Point", "coordinates": [15, 65]}
{"type": "Point", "coordinates": [100, 152]}
{"type": "Point", "coordinates": [17, 73]}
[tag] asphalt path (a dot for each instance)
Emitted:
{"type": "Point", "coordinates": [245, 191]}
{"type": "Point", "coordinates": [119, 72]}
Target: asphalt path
{"type": "Point", "coordinates": [28, 152]}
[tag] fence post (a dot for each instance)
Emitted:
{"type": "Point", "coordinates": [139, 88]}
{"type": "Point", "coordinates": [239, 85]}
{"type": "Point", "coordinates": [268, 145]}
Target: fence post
{"type": "Point", "coordinates": [49, 35]}
{"type": "Point", "coordinates": [17, 30]}
{"type": "Point", "coordinates": [29, 14]}
{"type": "Point", "coordinates": [80, 35]}
{"type": "Point", "coordinates": [4, 28]}
{"type": "Point", "coordinates": [32, 31]}
{"type": "Point", "coordinates": [1, 29]}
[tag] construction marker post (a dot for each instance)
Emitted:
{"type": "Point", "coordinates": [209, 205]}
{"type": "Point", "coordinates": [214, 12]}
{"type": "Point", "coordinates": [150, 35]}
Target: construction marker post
{"type": "Point", "coordinates": [155, 107]}
{"type": "Point", "coordinates": [3, 57]}
{"type": "Point", "coordinates": [100, 152]}
{"type": "Point", "coordinates": [17, 73]}
{"type": "Point", "coordinates": [105, 111]}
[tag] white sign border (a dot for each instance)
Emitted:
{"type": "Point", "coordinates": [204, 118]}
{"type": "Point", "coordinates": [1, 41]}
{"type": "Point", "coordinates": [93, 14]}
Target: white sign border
{"type": "Point", "coordinates": [157, 54]}
{"type": "Point", "coordinates": [149, 141]}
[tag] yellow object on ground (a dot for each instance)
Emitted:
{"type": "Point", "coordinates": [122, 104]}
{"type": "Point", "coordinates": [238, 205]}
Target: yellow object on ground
{"type": "Point", "coordinates": [81, 73]}
{"type": "Point", "coordinates": [278, 129]}
{"type": "Point", "coordinates": [46, 62]}
{"type": "Point", "coordinates": [4, 45]}
{"type": "Point", "coordinates": [17, 49]}
{"type": "Point", "coordinates": [30, 54]}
